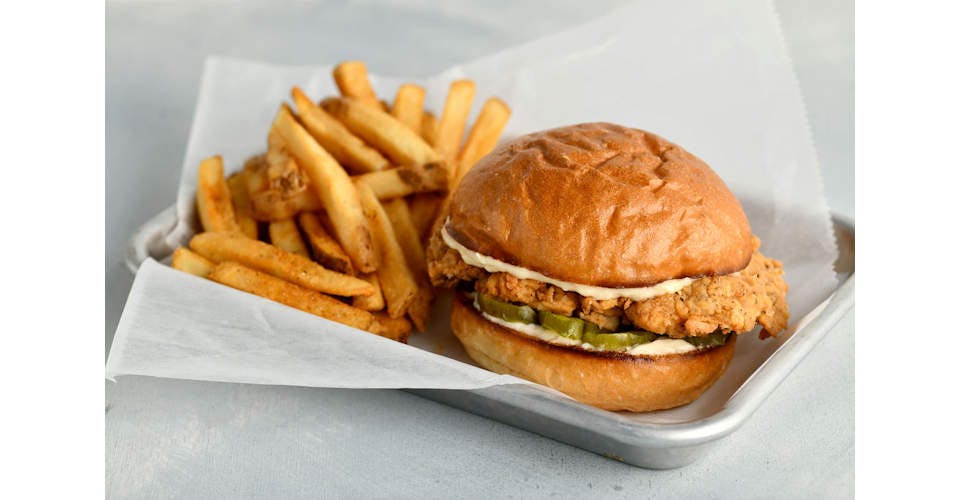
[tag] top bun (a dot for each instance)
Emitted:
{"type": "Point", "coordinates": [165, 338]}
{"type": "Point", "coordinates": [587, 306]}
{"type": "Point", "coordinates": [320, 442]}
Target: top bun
{"type": "Point", "coordinates": [600, 204]}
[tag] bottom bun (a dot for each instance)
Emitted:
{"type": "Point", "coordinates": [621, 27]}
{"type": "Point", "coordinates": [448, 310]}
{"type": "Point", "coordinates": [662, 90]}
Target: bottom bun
{"type": "Point", "coordinates": [608, 380]}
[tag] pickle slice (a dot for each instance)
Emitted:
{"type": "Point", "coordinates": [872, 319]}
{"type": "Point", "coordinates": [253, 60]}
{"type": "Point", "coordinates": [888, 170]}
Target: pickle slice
{"type": "Point", "coordinates": [616, 341]}
{"type": "Point", "coordinates": [712, 340]}
{"type": "Point", "coordinates": [505, 310]}
{"type": "Point", "coordinates": [564, 325]}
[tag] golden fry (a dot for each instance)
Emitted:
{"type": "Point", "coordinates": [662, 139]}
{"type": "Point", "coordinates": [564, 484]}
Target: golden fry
{"type": "Point", "coordinates": [345, 147]}
{"type": "Point", "coordinates": [242, 210]}
{"type": "Point", "coordinates": [334, 189]}
{"type": "Point", "coordinates": [213, 197]}
{"type": "Point", "coordinates": [453, 121]}
{"type": "Point", "coordinates": [397, 281]}
{"type": "Point", "coordinates": [294, 268]}
{"type": "Point", "coordinates": [408, 106]}
{"type": "Point", "coordinates": [423, 210]}
{"type": "Point", "coordinates": [281, 198]}
{"type": "Point", "coordinates": [407, 237]}
{"type": "Point", "coordinates": [190, 262]}
{"type": "Point", "coordinates": [285, 236]}
{"type": "Point", "coordinates": [392, 328]}
{"type": "Point", "coordinates": [374, 301]}
{"type": "Point", "coordinates": [353, 81]}
{"type": "Point", "coordinates": [420, 308]}
{"type": "Point", "coordinates": [326, 250]}
{"type": "Point", "coordinates": [252, 281]}
{"type": "Point", "coordinates": [409, 241]}
{"type": "Point", "coordinates": [483, 136]}
{"type": "Point", "coordinates": [402, 181]}
{"type": "Point", "coordinates": [429, 128]}
{"type": "Point", "coordinates": [401, 145]}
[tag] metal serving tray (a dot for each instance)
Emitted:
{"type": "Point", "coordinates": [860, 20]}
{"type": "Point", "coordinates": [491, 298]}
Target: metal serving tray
{"type": "Point", "coordinates": [611, 434]}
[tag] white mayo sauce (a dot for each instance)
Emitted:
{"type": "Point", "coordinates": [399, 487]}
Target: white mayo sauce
{"type": "Point", "coordinates": [492, 265]}
{"type": "Point", "coordinates": [655, 348]}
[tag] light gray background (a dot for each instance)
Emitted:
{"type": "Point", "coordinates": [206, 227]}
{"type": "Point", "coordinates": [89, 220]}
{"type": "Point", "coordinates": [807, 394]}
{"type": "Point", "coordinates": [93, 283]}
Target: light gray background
{"type": "Point", "coordinates": [196, 439]}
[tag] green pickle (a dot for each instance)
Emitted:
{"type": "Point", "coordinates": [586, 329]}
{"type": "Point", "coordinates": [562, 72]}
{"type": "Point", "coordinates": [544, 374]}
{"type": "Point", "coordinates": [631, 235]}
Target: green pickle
{"type": "Point", "coordinates": [566, 326]}
{"type": "Point", "coordinates": [506, 311]}
{"type": "Point", "coordinates": [578, 329]}
{"type": "Point", "coordinates": [615, 341]}
{"type": "Point", "coordinates": [712, 340]}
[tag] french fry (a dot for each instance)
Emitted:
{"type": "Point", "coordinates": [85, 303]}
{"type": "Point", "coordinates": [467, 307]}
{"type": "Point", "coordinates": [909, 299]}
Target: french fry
{"type": "Point", "coordinates": [353, 81]}
{"type": "Point", "coordinates": [374, 301]}
{"type": "Point", "coordinates": [408, 106]}
{"type": "Point", "coordinates": [285, 236]}
{"type": "Point", "coordinates": [282, 172]}
{"type": "Point", "coordinates": [333, 187]}
{"type": "Point", "coordinates": [399, 216]}
{"type": "Point", "coordinates": [213, 197]}
{"type": "Point", "coordinates": [326, 250]}
{"type": "Point", "coordinates": [392, 328]}
{"type": "Point", "coordinates": [252, 281]}
{"type": "Point", "coordinates": [429, 127]}
{"type": "Point", "coordinates": [397, 281]}
{"type": "Point", "coordinates": [294, 268]}
{"type": "Point", "coordinates": [190, 262]}
{"type": "Point", "coordinates": [401, 145]}
{"type": "Point", "coordinates": [409, 240]}
{"type": "Point", "coordinates": [242, 210]}
{"type": "Point", "coordinates": [483, 136]}
{"type": "Point", "coordinates": [453, 121]}
{"type": "Point", "coordinates": [402, 181]}
{"type": "Point", "coordinates": [423, 211]}
{"type": "Point", "coordinates": [345, 147]}
{"type": "Point", "coordinates": [421, 306]}
{"type": "Point", "coordinates": [275, 202]}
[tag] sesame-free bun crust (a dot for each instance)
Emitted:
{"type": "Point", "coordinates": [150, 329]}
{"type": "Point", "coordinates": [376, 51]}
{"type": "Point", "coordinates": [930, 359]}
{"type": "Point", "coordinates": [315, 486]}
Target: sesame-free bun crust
{"type": "Point", "coordinates": [601, 204]}
{"type": "Point", "coordinates": [607, 380]}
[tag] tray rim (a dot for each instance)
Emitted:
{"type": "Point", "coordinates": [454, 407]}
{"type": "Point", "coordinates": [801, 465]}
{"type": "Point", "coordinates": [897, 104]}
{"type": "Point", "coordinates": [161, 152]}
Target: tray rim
{"type": "Point", "coordinates": [741, 405]}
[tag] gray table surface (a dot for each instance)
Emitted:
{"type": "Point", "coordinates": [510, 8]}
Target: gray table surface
{"type": "Point", "coordinates": [168, 438]}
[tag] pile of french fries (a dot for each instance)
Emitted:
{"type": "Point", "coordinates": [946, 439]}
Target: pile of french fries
{"type": "Point", "coordinates": [333, 217]}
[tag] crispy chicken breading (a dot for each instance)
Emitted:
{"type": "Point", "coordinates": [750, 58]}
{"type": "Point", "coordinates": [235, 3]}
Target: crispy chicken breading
{"type": "Point", "coordinates": [732, 303]}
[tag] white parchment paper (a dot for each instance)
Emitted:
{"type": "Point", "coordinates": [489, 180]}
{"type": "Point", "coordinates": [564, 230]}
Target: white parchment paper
{"type": "Point", "coordinates": [699, 73]}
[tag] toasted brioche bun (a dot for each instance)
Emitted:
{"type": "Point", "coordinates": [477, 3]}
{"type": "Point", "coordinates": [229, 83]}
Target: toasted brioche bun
{"type": "Point", "coordinates": [601, 204]}
{"type": "Point", "coordinates": [612, 381]}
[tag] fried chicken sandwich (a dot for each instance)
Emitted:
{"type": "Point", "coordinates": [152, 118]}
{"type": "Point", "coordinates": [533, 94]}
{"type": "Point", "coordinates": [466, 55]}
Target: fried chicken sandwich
{"type": "Point", "coordinates": [605, 262]}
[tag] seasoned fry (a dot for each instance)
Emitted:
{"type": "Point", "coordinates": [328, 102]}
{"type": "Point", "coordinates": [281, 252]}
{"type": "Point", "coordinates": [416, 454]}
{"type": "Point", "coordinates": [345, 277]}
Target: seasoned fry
{"type": "Point", "coordinates": [345, 147]}
{"type": "Point", "coordinates": [326, 250]}
{"type": "Point", "coordinates": [453, 121]}
{"type": "Point", "coordinates": [374, 301]}
{"type": "Point", "coordinates": [401, 145]}
{"type": "Point", "coordinates": [190, 262]}
{"type": "Point", "coordinates": [392, 328]}
{"type": "Point", "coordinates": [429, 127]}
{"type": "Point", "coordinates": [407, 237]}
{"type": "Point", "coordinates": [402, 181]}
{"type": "Point", "coordinates": [408, 106]}
{"type": "Point", "coordinates": [282, 198]}
{"type": "Point", "coordinates": [397, 281]}
{"type": "Point", "coordinates": [242, 210]}
{"type": "Point", "coordinates": [252, 281]}
{"type": "Point", "coordinates": [285, 236]}
{"type": "Point", "coordinates": [213, 197]}
{"type": "Point", "coordinates": [294, 268]}
{"type": "Point", "coordinates": [483, 136]}
{"type": "Point", "coordinates": [353, 81]}
{"type": "Point", "coordinates": [409, 241]}
{"type": "Point", "coordinates": [423, 210]}
{"type": "Point", "coordinates": [334, 189]}
{"type": "Point", "coordinates": [420, 308]}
